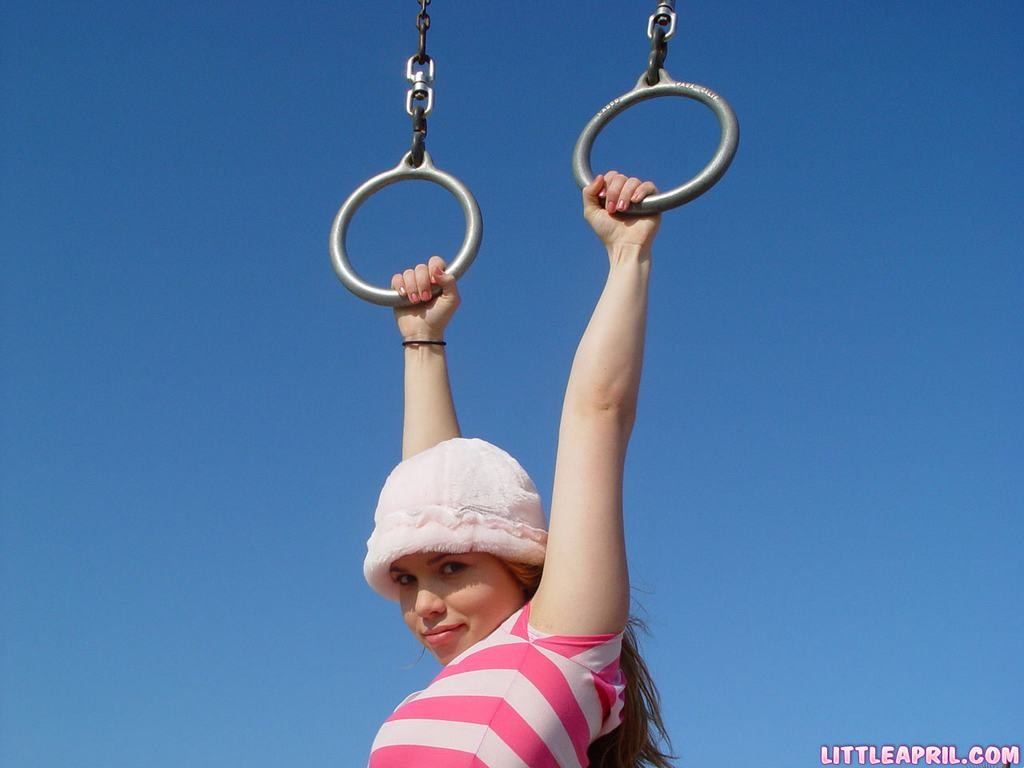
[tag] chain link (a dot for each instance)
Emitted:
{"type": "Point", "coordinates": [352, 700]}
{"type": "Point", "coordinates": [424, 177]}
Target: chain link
{"type": "Point", "coordinates": [656, 61]}
{"type": "Point", "coordinates": [661, 26]}
{"type": "Point", "coordinates": [419, 137]}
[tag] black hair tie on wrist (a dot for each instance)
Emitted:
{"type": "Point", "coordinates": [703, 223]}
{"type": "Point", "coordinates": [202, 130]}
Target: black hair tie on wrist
{"type": "Point", "coordinates": [425, 341]}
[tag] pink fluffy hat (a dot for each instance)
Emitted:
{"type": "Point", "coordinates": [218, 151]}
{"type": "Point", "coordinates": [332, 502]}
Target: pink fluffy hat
{"type": "Point", "coordinates": [462, 495]}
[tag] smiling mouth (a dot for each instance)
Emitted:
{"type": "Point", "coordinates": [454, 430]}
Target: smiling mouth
{"type": "Point", "coordinates": [437, 639]}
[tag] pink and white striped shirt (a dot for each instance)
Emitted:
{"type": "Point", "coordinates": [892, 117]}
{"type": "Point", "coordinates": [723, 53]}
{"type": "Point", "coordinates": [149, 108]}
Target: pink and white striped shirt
{"type": "Point", "coordinates": [517, 699]}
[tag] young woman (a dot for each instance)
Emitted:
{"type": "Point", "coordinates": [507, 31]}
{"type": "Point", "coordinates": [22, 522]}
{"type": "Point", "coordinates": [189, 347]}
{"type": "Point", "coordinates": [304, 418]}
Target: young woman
{"type": "Point", "coordinates": [532, 626]}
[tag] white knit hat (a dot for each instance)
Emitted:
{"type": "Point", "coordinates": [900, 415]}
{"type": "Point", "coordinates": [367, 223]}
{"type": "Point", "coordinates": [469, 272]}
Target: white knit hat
{"type": "Point", "coordinates": [462, 495]}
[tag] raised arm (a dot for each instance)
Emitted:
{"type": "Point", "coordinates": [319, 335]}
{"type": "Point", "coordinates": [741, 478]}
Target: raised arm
{"type": "Point", "coordinates": [429, 410]}
{"type": "Point", "coordinates": [585, 587]}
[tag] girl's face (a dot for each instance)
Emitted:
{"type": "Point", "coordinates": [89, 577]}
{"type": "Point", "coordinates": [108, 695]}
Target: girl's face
{"type": "Point", "coordinates": [450, 602]}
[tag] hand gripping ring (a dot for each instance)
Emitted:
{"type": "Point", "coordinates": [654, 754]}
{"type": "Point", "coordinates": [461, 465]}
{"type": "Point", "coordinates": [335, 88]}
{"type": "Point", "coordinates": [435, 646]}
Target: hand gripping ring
{"type": "Point", "coordinates": [402, 172]}
{"type": "Point", "coordinates": [665, 86]}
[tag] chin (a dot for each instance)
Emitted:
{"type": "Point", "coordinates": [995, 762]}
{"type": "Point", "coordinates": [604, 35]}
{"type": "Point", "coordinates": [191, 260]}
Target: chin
{"type": "Point", "coordinates": [448, 655]}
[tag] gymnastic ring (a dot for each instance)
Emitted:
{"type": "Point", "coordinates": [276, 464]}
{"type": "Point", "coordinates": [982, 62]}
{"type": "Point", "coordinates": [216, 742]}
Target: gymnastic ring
{"type": "Point", "coordinates": [404, 171]}
{"type": "Point", "coordinates": [665, 86]}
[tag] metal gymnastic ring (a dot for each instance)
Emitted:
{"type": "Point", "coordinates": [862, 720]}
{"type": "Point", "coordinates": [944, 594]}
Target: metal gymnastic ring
{"type": "Point", "coordinates": [402, 172]}
{"type": "Point", "coordinates": [665, 86]}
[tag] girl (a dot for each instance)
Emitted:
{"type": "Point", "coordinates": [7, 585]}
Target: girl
{"type": "Point", "coordinates": [532, 626]}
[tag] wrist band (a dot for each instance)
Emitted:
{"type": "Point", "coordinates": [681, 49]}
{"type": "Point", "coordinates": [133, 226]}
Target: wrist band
{"type": "Point", "coordinates": [425, 341]}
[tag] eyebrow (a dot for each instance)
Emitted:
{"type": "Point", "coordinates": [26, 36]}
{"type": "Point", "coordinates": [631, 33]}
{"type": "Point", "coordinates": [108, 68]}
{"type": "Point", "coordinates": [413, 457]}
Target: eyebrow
{"type": "Point", "coordinates": [431, 561]}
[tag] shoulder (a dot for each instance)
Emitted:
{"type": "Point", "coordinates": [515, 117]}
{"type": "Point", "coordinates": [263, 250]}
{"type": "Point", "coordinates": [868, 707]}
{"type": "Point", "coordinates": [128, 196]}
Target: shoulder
{"type": "Point", "coordinates": [597, 653]}
{"type": "Point", "coordinates": [516, 641]}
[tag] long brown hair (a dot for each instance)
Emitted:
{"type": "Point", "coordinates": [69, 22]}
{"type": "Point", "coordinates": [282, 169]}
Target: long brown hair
{"type": "Point", "coordinates": [637, 742]}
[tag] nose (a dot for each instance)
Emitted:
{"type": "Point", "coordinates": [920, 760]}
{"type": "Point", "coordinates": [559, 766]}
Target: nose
{"type": "Point", "coordinates": [428, 604]}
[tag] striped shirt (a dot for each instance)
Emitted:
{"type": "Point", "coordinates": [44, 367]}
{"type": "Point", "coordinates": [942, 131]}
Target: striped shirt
{"type": "Point", "coordinates": [519, 698]}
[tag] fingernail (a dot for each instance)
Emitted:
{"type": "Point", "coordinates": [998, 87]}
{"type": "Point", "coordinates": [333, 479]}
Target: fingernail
{"type": "Point", "coordinates": [426, 295]}
{"type": "Point", "coordinates": [401, 291]}
{"type": "Point", "coordinates": [622, 205]}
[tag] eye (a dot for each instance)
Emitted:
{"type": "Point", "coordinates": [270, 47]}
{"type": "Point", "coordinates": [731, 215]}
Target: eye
{"type": "Point", "coordinates": [403, 579]}
{"type": "Point", "coordinates": [452, 567]}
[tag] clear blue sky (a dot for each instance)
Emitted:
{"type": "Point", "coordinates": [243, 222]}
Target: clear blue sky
{"type": "Point", "coordinates": [825, 486]}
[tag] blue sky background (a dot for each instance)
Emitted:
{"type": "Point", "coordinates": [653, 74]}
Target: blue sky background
{"type": "Point", "coordinates": [824, 490]}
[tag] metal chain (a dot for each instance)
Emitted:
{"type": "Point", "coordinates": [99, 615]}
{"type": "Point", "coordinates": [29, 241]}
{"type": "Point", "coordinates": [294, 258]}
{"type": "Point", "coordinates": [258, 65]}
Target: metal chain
{"type": "Point", "coordinates": [419, 100]}
{"type": "Point", "coordinates": [423, 24]}
{"type": "Point", "coordinates": [661, 26]}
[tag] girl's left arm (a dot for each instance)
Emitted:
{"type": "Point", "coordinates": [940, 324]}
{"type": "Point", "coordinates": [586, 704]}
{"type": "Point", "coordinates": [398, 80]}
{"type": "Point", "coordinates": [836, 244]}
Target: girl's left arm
{"type": "Point", "coordinates": [585, 587]}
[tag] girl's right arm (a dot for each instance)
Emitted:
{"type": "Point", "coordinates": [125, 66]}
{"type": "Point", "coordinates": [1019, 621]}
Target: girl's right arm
{"type": "Point", "coordinates": [429, 409]}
